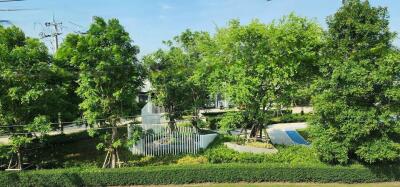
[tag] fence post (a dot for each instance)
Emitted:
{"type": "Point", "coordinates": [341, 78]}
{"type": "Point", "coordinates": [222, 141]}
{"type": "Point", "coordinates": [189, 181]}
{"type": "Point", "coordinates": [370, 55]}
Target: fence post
{"type": "Point", "coordinates": [60, 125]}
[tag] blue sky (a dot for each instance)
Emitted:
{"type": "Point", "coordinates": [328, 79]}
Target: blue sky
{"type": "Point", "coordinates": [151, 21]}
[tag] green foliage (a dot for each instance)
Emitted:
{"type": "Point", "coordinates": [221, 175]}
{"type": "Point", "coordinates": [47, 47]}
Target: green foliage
{"type": "Point", "coordinates": [143, 161]}
{"type": "Point", "coordinates": [290, 118]}
{"type": "Point", "coordinates": [173, 76]}
{"type": "Point", "coordinates": [219, 153]}
{"type": "Point", "coordinates": [17, 142]}
{"type": "Point", "coordinates": [39, 125]}
{"type": "Point", "coordinates": [258, 65]}
{"type": "Point", "coordinates": [30, 87]}
{"type": "Point", "coordinates": [212, 121]}
{"type": "Point", "coordinates": [136, 134]}
{"type": "Point", "coordinates": [4, 155]}
{"type": "Point", "coordinates": [184, 124]}
{"type": "Point", "coordinates": [357, 98]}
{"type": "Point", "coordinates": [192, 160]}
{"type": "Point", "coordinates": [110, 74]}
{"type": "Point", "coordinates": [186, 174]}
{"type": "Point", "coordinates": [231, 120]}
{"type": "Point", "coordinates": [74, 150]}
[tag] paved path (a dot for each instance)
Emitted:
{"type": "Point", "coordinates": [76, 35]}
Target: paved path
{"type": "Point", "coordinates": [247, 149]}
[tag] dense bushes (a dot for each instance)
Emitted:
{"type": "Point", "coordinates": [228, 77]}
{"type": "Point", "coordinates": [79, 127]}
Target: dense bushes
{"type": "Point", "coordinates": [4, 152]}
{"type": "Point", "coordinates": [231, 120]}
{"type": "Point", "coordinates": [199, 174]}
{"type": "Point", "coordinates": [290, 118]}
{"type": "Point", "coordinates": [219, 153]}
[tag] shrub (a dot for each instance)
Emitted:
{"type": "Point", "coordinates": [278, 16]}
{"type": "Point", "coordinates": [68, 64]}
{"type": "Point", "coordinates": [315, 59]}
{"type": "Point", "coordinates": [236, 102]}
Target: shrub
{"type": "Point", "coordinates": [184, 124]}
{"type": "Point", "coordinates": [189, 160]}
{"type": "Point", "coordinates": [213, 122]}
{"type": "Point", "coordinates": [260, 145]}
{"type": "Point", "coordinates": [185, 174]}
{"type": "Point", "coordinates": [219, 153]}
{"type": "Point", "coordinates": [231, 120]}
{"type": "Point", "coordinates": [290, 118]}
{"type": "Point", "coordinates": [4, 154]}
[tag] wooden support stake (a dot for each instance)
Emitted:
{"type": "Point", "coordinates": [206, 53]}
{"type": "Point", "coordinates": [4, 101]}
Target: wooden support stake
{"type": "Point", "coordinates": [60, 125]}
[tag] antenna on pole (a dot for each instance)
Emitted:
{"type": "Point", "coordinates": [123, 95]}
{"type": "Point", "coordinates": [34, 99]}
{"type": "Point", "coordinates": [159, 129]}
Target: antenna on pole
{"type": "Point", "coordinates": [55, 31]}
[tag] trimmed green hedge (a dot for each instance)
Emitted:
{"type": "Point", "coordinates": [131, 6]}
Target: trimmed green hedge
{"type": "Point", "coordinates": [217, 173]}
{"type": "Point", "coordinates": [290, 118]}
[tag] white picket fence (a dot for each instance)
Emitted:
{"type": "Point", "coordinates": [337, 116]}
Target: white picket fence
{"type": "Point", "coordinates": [163, 141]}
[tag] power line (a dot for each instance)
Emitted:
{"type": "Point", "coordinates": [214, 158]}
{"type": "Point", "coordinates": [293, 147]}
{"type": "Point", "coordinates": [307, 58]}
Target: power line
{"type": "Point", "coordinates": [55, 33]}
{"type": "Point", "coordinates": [5, 1]}
{"type": "Point", "coordinates": [80, 26]}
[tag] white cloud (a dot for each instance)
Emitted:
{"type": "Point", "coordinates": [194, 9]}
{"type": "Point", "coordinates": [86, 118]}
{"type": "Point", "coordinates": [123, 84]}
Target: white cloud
{"type": "Point", "coordinates": [166, 7]}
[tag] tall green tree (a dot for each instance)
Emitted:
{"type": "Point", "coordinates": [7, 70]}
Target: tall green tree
{"type": "Point", "coordinates": [358, 98]}
{"type": "Point", "coordinates": [29, 90]}
{"type": "Point", "coordinates": [110, 77]}
{"type": "Point", "coordinates": [174, 78]}
{"type": "Point", "coordinates": [258, 65]}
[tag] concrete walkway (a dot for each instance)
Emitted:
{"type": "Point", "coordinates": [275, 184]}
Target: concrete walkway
{"type": "Point", "coordinates": [247, 149]}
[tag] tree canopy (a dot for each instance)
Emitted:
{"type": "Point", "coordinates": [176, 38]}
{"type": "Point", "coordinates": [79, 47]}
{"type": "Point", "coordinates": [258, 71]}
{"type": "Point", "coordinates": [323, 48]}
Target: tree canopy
{"type": "Point", "coordinates": [258, 66]}
{"type": "Point", "coordinates": [30, 91]}
{"type": "Point", "coordinates": [110, 75]}
{"type": "Point", "coordinates": [172, 73]}
{"type": "Point", "coordinates": [357, 99]}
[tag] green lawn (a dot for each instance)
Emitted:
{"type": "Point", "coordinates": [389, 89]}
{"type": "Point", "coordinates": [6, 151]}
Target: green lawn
{"type": "Point", "coordinates": [391, 184]}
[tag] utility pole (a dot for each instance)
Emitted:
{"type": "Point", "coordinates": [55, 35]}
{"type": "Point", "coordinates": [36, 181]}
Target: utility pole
{"type": "Point", "coordinates": [56, 31]}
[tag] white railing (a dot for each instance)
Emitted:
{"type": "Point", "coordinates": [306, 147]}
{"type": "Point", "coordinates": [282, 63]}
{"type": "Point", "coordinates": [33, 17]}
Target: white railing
{"type": "Point", "coordinates": [159, 139]}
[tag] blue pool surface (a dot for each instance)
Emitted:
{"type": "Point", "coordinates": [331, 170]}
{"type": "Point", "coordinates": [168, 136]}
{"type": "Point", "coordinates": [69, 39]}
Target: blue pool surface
{"type": "Point", "coordinates": [297, 138]}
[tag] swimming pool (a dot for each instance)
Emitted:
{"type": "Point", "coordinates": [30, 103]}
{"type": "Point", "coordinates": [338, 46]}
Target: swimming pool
{"type": "Point", "coordinates": [297, 138]}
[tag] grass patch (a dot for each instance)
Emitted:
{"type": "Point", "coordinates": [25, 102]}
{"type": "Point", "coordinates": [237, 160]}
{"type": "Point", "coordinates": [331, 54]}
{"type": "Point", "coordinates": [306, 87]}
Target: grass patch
{"type": "Point", "coordinates": [219, 153]}
{"type": "Point", "coordinates": [74, 150]}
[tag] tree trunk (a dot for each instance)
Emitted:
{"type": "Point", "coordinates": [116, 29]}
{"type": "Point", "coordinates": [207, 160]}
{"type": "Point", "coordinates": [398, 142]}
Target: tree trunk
{"type": "Point", "coordinates": [113, 150]}
{"type": "Point", "coordinates": [19, 159]}
{"type": "Point", "coordinates": [172, 123]}
{"type": "Point", "coordinates": [254, 129]}
{"type": "Point", "coordinates": [195, 119]}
